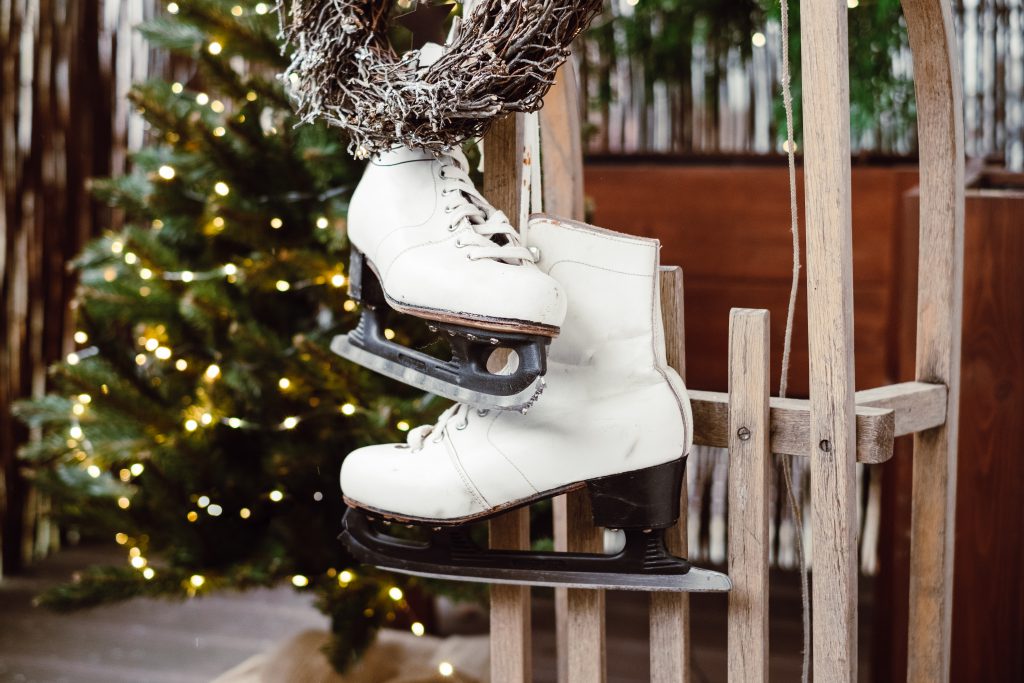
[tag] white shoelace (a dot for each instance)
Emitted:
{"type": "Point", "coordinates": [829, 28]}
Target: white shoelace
{"type": "Point", "coordinates": [456, 416]}
{"type": "Point", "coordinates": [477, 222]}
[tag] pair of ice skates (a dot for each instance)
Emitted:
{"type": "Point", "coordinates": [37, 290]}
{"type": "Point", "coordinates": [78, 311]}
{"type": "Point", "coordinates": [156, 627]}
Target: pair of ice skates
{"type": "Point", "coordinates": [576, 314]}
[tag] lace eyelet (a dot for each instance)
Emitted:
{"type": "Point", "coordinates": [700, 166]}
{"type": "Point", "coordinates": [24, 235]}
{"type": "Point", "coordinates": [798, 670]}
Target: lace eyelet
{"type": "Point", "coordinates": [449, 209]}
{"type": "Point", "coordinates": [483, 412]}
{"type": "Point", "coordinates": [462, 425]}
{"type": "Point", "coordinates": [452, 227]}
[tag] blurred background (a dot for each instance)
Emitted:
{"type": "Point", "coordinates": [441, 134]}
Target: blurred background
{"type": "Point", "coordinates": [173, 267]}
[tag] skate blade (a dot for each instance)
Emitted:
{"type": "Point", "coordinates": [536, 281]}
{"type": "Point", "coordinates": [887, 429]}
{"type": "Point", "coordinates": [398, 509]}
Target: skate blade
{"type": "Point", "coordinates": [694, 581]}
{"type": "Point", "coordinates": [523, 399]}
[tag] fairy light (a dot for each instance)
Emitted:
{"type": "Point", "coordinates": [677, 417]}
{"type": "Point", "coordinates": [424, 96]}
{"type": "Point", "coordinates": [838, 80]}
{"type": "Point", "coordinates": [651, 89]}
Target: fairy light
{"type": "Point", "coordinates": [152, 344]}
{"type": "Point", "coordinates": [417, 629]}
{"type": "Point", "coordinates": [177, 88]}
{"type": "Point", "coordinates": [84, 399]}
{"type": "Point", "coordinates": [148, 573]}
{"type": "Point", "coordinates": [251, 96]}
{"type": "Point", "coordinates": [137, 469]}
{"type": "Point", "coordinates": [139, 562]}
{"type": "Point", "coordinates": [346, 577]}
{"type": "Point", "coordinates": [117, 246]}
{"type": "Point", "coordinates": [214, 48]}
{"type": "Point", "coordinates": [445, 669]}
{"type": "Point", "coordinates": [349, 305]}
{"type": "Point", "coordinates": [215, 510]}
{"type": "Point", "coordinates": [123, 503]}
{"type": "Point", "coordinates": [203, 501]}
{"type": "Point", "coordinates": [403, 426]}
{"type": "Point", "coordinates": [262, 8]}
{"type": "Point", "coordinates": [853, 4]}
{"type": "Point", "coordinates": [276, 496]}
{"type": "Point", "coordinates": [131, 259]}
{"type": "Point", "coordinates": [221, 188]}
{"type": "Point", "coordinates": [245, 513]}
{"type": "Point", "coordinates": [282, 285]}
{"type": "Point", "coordinates": [338, 280]}
{"type": "Point", "coordinates": [202, 99]}
{"type": "Point", "coordinates": [121, 538]}
{"type": "Point", "coordinates": [140, 359]}
{"type": "Point", "coordinates": [290, 422]}
{"type": "Point", "coordinates": [218, 222]}
{"type": "Point", "coordinates": [191, 425]}
{"type": "Point", "coordinates": [389, 333]}
{"type": "Point", "coordinates": [395, 593]}
{"type": "Point", "coordinates": [230, 269]}
{"type": "Point", "coordinates": [206, 418]}
{"type": "Point", "coordinates": [348, 409]}
{"type": "Point", "coordinates": [322, 222]}
{"type": "Point", "coordinates": [109, 275]}
{"type": "Point", "coordinates": [217, 106]}
{"type": "Point", "coordinates": [81, 337]}
{"type": "Point", "coordinates": [197, 580]}
{"type": "Point", "coordinates": [163, 353]}
{"type": "Point", "coordinates": [236, 10]}
{"type": "Point", "coordinates": [73, 359]}
{"type": "Point", "coordinates": [192, 516]}
{"type": "Point", "coordinates": [172, 7]}
{"type": "Point", "coordinates": [78, 409]}
{"type": "Point", "coordinates": [300, 581]}
{"type": "Point", "coordinates": [166, 172]}
{"type": "Point", "coordinates": [758, 39]}
{"type": "Point", "coordinates": [75, 432]}
{"type": "Point", "coordinates": [134, 552]}
{"type": "Point", "coordinates": [93, 471]}
{"type": "Point", "coordinates": [212, 372]}
{"type": "Point", "coordinates": [234, 422]}
{"type": "Point", "coordinates": [284, 383]}
{"type": "Point", "coordinates": [219, 132]}
{"type": "Point", "coordinates": [145, 273]}
{"type": "Point", "coordinates": [181, 365]}
{"type": "Point", "coordinates": [187, 276]}
{"type": "Point", "coordinates": [125, 474]}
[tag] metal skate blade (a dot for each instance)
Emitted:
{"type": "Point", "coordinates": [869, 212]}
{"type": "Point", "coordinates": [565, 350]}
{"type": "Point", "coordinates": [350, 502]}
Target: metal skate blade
{"type": "Point", "coordinates": [346, 349]}
{"type": "Point", "coordinates": [694, 581]}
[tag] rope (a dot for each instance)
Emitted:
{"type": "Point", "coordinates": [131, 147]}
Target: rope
{"type": "Point", "coordinates": [787, 346]}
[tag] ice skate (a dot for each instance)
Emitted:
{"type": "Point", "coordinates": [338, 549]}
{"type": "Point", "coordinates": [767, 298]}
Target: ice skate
{"type": "Point", "coordinates": [426, 243]}
{"type": "Point", "coordinates": [615, 420]}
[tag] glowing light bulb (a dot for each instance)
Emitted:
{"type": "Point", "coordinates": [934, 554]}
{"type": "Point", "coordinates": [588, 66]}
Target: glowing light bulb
{"type": "Point", "coordinates": [758, 39]}
{"type": "Point", "coordinates": [177, 88]}
{"type": "Point", "coordinates": [300, 581]}
{"type": "Point", "coordinates": [145, 273]}
{"type": "Point", "coordinates": [853, 4]}
{"type": "Point", "coordinates": [217, 106]}
{"type": "Point", "coordinates": [163, 353]}
{"type": "Point", "coordinates": [94, 471]}
{"type": "Point", "coordinates": [234, 422]}
{"type": "Point", "coordinates": [181, 365]}
{"type": "Point", "coordinates": [166, 172]}
{"type": "Point", "coordinates": [121, 537]}
{"type": "Point", "coordinates": [230, 269]}
{"type": "Point", "coordinates": [188, 276]}
{"type": "Point", "coordinates": [284, 383]}
{"type": "Point", "coordinates": [245, 513]}
{"type": "Point", "coordinates": [123, 503]}
{"type": "Point", "coordinates": [214, 48]}
{"type": "Point", "coordinates": [73, 359]}
{"type": "Point", "coordinates": [137, 469]}
{"type": "Point", "coordinates": [215, 510]}
{"type": "Point", "coordinates": [191, 425]}
{"type": "Point", "coordinates": [197, 580]}
{"type": "Point", "coordinates": [203, 501]}
{"type": "Point", "coordinates": [345, 577]}
{"type": "Point", "coordinates": [75, 432]}
{"type": "Point", "coordinates": [192, 516]}
{"type": "Point", "coordinates": [349, 305]}
{"type": "Point", "coordinates": [139, 562]}
{"type": "Point", "coordinates": [389, 333]}
{"type": "Point", "coordinates": [276, 223]}
{"type": "Point", "coordinates": [290, 422]}
{"type": "Point", "coordinates": [445, 669]}
{"type": "Point", "coordinates": [172, 7]}
{"type": "Point", "coordinates": [140, 359]}
{"type": "Point", "coordinates": [78, 409]}
{"type": "Point", "coordinates": [322, 222]}
{"type": "Point", "coordinates": [206, 418]}
{"type": "Point", "coordinates": [219, 132]}
{"type": "Point", "coordinates": [221, 188]}
{"type": "Point", "coordinates": [403, 426]}
{"type": "Point", "coordinates": [348, 409]}
{"type": "Point", "coordinates": [283, 286]}
{"type": "Point", "coordinates": [338, 280]}
{"type": "Point", "coordinates": [81, 337]}
{"type": "Point", "coordinates": [152, 344]}
{"type": "Point", "coordinates": [85, 399]}
{"type": "Point", "coordinates": [395, 593]}
{"type": "Point", "coordinates": [202, 99]}
{"type": "Point", "coordinates": [236, 10]}
{"type": "Point", "coordinates": [131, 259]}
{"type": "Point", "coordinates": [251, 96]}
{"type": "Point", "coordinates": [276, 496]}
{"type": "Point", "coordinates": [261, 8]}
{"type": "Point", "coordinates": [148, 573]}
{"type": "Point", "coordinates": [212, 372]}
{"type": "Point", "coordinates": [417, 629]}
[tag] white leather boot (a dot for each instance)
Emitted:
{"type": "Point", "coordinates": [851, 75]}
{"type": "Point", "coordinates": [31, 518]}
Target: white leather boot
{"type": "Point", "coordinates": [614, 417]}
{"type": "Point", "coordinates": [442, 252]}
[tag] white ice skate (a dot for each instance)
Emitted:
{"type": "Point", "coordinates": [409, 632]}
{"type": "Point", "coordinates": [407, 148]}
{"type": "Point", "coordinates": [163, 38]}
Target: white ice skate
{"type": "Point", "coordinates": [614, 419]}
{"type": "Point", "coordinates": [426, 243]}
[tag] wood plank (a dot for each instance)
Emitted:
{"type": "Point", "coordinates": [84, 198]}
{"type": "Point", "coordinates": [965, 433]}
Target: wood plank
{"type": "Point", "coordinates": [833, 438]}
{"type": "Point", "coordinates": [749, 481]}
{"type": "Point", "coordinates": [670, 612]}
{"type": "Point", "coordinates": [917, 406]}
{"type": "Point", "coordinates": [510, 605]}
{"type": "Point", "coordinates": [939, 310]}
{"type": "Point", "coordinates": [791, 426]}
{"type": "Point", "coordinates": [579, 614]}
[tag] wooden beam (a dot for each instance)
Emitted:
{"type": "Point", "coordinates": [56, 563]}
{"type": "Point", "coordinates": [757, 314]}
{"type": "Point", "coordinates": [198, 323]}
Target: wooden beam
{"type": "Point", "coordinates": [510, 605]}
{"type": "Point", "coordinates": [833, 434]}
{"type": "Point", "coordinates": [917, 406]}
{"type": "Point", "coordinates": [938, 85]}
{"type": "Point", "coordinates": [670, 612]}
{"type": "Point", "coordinates": [749, 480]}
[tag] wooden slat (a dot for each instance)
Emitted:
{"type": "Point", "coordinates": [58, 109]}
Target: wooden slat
{"type": "Point", "coordinates": [791, 426]}
{"type": "Point", "coordinates": [749, 472]}
{"type": "Point", "coordinates": [670, 612]}
{"type": "Point", "coordinates": [510, 605]}
{"type": "Point", "coordinates": [917, 406]}
{"type": "Point", "coordinates": [939, 311]}
{"type": "Point", "coordinates": [579, 614]}
{"type": "Point", "coordinates": [833, 437]}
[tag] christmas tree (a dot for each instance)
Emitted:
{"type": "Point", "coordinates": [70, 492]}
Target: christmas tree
{"type": "Point", "coordinates": [202, 420]}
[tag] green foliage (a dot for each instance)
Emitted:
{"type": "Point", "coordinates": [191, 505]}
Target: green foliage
{"type": "Point", "coordinates": [203, 419]}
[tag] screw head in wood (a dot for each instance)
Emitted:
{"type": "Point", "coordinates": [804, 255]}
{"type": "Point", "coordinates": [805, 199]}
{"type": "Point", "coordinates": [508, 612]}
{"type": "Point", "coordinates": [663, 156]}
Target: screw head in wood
{"type": "Point", "coordinates": [743, 433]}
{"type": "Point", "coordinates": [825, 445]}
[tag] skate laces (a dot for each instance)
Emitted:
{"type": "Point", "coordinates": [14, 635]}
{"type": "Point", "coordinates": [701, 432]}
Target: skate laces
{"type": "Point", "coordinates": [456, 416]}
{"type": "Point", "coordinates": [484, 231]}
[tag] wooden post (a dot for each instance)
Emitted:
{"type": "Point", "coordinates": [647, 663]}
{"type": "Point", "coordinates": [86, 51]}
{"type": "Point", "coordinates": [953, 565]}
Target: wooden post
{"type": "Point", "coordinates": [579, 614]}
{"type": "Point", "coordinates": [826, 107]}
{"type": "Point", "coordinates": [939, 319]}
{"type": "Point", "coordinates": [749, 467]}
{"type": "Point", "coordinates": [510, 605]}
{"type": "Point", "coordinates": [670, 612]}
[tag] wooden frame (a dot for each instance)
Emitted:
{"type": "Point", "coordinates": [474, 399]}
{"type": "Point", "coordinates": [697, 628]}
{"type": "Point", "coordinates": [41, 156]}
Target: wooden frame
{"type": "Point", "coordinates": [836, 428]}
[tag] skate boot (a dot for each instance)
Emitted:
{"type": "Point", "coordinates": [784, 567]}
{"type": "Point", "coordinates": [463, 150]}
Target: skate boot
{"type": "Point", "coordinates": [426, 243]}
{"type": "Point", "coordinates": [615, 420]}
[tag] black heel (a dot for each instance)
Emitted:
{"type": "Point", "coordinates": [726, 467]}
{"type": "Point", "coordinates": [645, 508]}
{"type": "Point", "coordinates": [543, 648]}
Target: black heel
{"type": "Point", "coordinates": [641, 499]}
{"type": "Point", "coordinates": [362, 282]}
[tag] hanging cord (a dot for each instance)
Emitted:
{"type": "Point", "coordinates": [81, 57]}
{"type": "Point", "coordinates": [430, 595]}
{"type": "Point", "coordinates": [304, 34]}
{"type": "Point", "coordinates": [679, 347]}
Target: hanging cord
{"type": "Point", "coordinates": [787, 346]}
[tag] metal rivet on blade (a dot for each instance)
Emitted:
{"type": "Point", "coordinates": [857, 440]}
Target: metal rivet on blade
{"type": "Point", "coordinates": [495, 341]}
{"type": "Point", "coordinates": [432, 328]}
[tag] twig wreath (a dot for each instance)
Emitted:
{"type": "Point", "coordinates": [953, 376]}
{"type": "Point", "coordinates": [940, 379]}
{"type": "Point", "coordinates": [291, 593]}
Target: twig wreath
{"type": "Point", "coordinates": [502, 60]}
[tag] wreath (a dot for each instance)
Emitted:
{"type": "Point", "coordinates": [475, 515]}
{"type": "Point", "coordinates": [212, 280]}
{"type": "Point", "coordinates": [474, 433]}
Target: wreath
{"type": "Point", "coordinates": [502, 59]}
